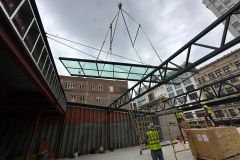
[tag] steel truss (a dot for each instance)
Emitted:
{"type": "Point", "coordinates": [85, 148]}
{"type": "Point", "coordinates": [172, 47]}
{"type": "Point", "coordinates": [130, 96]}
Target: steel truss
{"type": "Point", "coordinates": [186, 51]}
{"type": "Point", "coordinates": [214, 93]}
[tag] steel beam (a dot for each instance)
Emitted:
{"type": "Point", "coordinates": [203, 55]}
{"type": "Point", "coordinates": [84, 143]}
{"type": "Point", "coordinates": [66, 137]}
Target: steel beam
{"type": "Point", "coordinates": [126, 97]}
{"type": "Point", "coordinates": [214, 97]}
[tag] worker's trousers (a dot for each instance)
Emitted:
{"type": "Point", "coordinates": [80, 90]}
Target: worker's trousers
{"type": "Point", "coordinates": [210, 117]}
{"type": "Point", "coordinates": [157, 154]}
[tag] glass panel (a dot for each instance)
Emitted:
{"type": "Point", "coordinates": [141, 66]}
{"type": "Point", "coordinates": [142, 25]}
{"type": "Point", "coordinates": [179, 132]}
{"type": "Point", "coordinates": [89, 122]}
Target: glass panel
{"type": "Point", "coordinates": [140, 70]}
{"type": "Point", "coordinates": [120, 75]}
{"type": "Point", "coordinates": [45, 69]}
{"type": "Point", "coordinates": [118, 68]}
{"type": "Point", "coordinates": [149, 70]}
{"type": "Point", "coordinates": [49, 72]}
{"type": "Point", "coordinates": [23, 18]}
{"type": "Point", "coordinates": [100, 66]}
{"type": "Point", "coordinates": [134, 76]}
{"type": "Point", "coordinates": [10, 6]}
{"type": "Point", "coordinates": [37, 50]}
{"type": "Point", "coordinates": [107, 67]}
{"type": "Point", "coordinates": [31, 36]}
{"type": "Point", "coordinates": [42, 59]}
{"type": "Point", "coordinates": [91, 72]}
{"type": "Point", "coordinates": [71, 64]}
{"type": "Point", "coordinates": [75, 71]}
{"type": "Point", "coordinates": [107, 74]}
{"type": "Point", "coordinates": [88, 65]}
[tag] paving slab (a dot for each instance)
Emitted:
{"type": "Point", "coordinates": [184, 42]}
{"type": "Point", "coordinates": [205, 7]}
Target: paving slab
{"type": "Point", "coordinates": [132, 153]}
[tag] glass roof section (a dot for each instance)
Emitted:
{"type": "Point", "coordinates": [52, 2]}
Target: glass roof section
{"type": "Point", "coordinates": [114, 70]}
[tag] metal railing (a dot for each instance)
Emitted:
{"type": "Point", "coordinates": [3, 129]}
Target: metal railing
{"type": "Point", "coordinates": [25, 21]}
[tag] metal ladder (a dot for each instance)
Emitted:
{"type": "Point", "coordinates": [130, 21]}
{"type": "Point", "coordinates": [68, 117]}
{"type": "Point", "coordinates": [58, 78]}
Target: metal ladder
{"type": "Point", "coordinates": [139, 134]}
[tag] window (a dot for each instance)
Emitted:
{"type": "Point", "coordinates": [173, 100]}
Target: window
{"type": "Point", "coordinates": [219, 73]}
{"type": "Point", "coordinates": [219, 113]}
{"type": "Point", "coordinates": [231, 5]}
{"type": "Point", "coordinates": [237, 63]}
{"type": "Point", "coordinates": [211, 76]}
{"type": "Point", "coordinates": [169, 89]}
{"type": "Point", "coordinates": [73, 99]}
{"type": "Point", "coordinates": [209, 96]}
{"type": "Point", "coordinates": [216, 3]}
{"type": "Point", "coordinates": [171, 94]}
{"type": "Point", "coordinates": [177, 86]}
{"type": "Point", "coordinates": [98, 99]}
{"type": "Point", "coordinates": [188, 115]}
{"type": "Point", "coordinates": [232, 112]}
{"type": "Point", "coordinates": [151, 96]}
{"type": "Point", "coordinates": [70, 85]}
{"type": "Point", "coordinates": [190, 88]}
{"type": "Point", "coordinates": [199, 80]}
{"type": "Point", "coordinates": [81, 87]}
{"type": "Point", "coordinates": [226, 69]}
{"type": "Point", "coordinates": [193, 96]}
{"type": "Point", "coordinates": [226, 1]}
{"type": "Point", "coordinates": [230, 90]}
{"type": "Point", "coordinates": [111, 88]}
{"type": "Point", "coordinates": [234, 80]}
{"type": "Point", "coordinates": [236, 24]}
{"type": "Point", "coordinates": [100, 88]}
{"type": "Point", "coordinates": [92, 87]}
{"type": "Point", "coordinates": [232, 19]}
{"type": "Point", "coordinates": [203, 79]}
{"type": "Point", "coordinates": [187, 81]}
{"type": "Point", "coordinates": [220, 8]}
{"type": "Point", "coordinates": [200, 113]}
{"type": "Point", "coordinates": [180, 91]}
{"type": "Point", "coordinates": [182, 99]}
{"type": "Point", "coordinates": [224, 11]}
{"type": "Point", "coordinates": [82, 99]}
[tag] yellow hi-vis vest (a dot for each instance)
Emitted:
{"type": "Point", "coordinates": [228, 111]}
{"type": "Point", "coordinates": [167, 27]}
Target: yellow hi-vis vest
{"type": "Point", "coordinates": [179, 115]}
{"type": "Point", "coordinates": [209, 109]}
{"type": "Point", "coordinates": [153, 140]}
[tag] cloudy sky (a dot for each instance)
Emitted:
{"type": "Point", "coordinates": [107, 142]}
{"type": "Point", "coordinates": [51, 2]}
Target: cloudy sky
{"type": "Point", "coordinates": [168, 23]}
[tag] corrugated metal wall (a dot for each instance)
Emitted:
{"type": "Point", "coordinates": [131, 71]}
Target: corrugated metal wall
{"type": "Point", "coordinates": [16, 133]}
{"type": "Point", "coordinates": [82, 130]}
{"type": "Point", "coordinates": [86, 129]}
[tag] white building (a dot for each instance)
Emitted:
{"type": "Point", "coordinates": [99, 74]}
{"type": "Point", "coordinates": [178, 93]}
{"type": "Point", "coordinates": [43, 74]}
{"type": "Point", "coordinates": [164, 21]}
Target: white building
{"type": "Point", "coordinates": [219, 7]}
{"type": "Point", "coordinates": [172, 90]}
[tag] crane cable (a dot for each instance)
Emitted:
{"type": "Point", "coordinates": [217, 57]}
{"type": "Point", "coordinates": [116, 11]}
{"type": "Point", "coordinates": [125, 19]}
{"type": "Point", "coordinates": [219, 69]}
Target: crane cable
{"type": "Point", "coordinates": [48, 35]}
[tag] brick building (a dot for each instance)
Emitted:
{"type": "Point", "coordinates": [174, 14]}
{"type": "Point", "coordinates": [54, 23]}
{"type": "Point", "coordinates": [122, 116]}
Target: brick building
{"type": "Point", "coordinates": [92, 91]}
{"type": "Point", "coordinates": [221, 68]}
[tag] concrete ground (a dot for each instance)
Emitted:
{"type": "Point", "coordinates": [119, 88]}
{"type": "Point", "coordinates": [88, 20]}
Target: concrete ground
{"type": "Point", "coordinates": [132, 153]}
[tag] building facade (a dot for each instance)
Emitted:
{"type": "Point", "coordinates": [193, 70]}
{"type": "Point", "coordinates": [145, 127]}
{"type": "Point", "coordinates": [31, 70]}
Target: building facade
{"type": "Point", "coordinates": [92, 91]}
{"type": "Point", "coordinates": [219, 7]}
{"type": "Point", "coordinates": [222, 68]}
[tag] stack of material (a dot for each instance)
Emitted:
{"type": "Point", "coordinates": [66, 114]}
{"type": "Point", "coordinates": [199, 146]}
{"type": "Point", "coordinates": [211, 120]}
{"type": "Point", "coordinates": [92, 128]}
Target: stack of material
{"type": "Point", "coordinates": [215, 143]}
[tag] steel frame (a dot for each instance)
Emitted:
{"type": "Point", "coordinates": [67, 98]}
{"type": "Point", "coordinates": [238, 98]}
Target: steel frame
{"type": "Point", "coordinates": [134, 92]}
{"type": "Point", "coordinates": [216, 95]}
{"type": "Point", "coordinates": [59, 94]}
{"type": "Point", "coordinates": [116, 64]}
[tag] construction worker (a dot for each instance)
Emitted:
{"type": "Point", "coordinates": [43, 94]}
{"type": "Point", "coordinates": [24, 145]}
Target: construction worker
{"type": "Point", "coordinates": [208, 113]}
{"type": "Point", "coordinates": [153, 142]}
{"type": "Point", "coordinates": [180, 118]}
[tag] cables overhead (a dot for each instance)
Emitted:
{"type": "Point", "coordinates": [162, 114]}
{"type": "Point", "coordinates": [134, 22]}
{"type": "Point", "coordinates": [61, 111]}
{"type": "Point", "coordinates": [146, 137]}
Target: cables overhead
{"type": "Point", "coordinates": [50, 36]}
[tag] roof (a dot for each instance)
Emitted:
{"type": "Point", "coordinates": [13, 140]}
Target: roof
{"type": "Point", "coordinates": [114, 70]}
